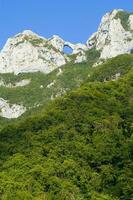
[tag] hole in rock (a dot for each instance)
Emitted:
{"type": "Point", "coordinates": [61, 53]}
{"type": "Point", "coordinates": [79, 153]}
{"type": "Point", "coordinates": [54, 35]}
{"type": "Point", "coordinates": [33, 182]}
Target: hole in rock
{"type": "Point", "coordinates": [67, 50]}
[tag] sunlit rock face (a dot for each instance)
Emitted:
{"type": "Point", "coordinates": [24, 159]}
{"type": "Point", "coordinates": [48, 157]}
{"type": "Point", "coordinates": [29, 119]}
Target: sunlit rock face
{"type": "Point", "coordinates": [114, 35]}
{"type": "Point", "coordinates": [29, 52]}
{"type": "Point", "coordinates": [10, 111]}
{"type": "Point", "coordinates": [81, 57]}
{"type": "Point", "coordinates": [21, 83]}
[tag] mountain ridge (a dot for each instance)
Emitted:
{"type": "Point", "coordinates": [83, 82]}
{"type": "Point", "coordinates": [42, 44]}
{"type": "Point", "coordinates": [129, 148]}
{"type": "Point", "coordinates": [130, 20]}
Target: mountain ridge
{"type": "Point", "coordinates": [29, 52]}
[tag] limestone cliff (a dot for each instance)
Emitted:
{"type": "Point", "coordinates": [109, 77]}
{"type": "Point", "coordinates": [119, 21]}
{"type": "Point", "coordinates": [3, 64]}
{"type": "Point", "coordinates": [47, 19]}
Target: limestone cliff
{"type": "Point", "coordinates": [114, 35]}
{"type": "Point", "coordinates": [29, 52]}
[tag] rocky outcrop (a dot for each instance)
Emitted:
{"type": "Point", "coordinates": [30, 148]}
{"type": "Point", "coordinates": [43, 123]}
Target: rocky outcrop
{"type": "Point", "coordinates": [21, 83]}
{"type": "Point", "coordinates": [131, 21]}
{"type": "Point", "coordinates": [60, 71]}
{"type": "Point", "coordinates": [51, 84]}
{"type": "Point", "coordinates": [81, 57]}
{"type": "Point", "coordinates": [114, 36]}
{"type": "Point", "coordinates": [29, 52]}
{"type": "Point", "coordinates": [10, 111]}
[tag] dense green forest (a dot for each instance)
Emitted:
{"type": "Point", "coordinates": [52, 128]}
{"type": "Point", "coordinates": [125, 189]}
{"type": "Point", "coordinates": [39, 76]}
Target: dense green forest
{"type": "Point", "coordinates": [79, 147]}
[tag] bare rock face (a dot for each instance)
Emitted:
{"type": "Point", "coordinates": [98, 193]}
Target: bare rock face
{"type": "Point", "coordinates": [10, 111]}
{"type": "Point", "coordinates": [57, 42]}
{"type": "Point", "coordinates": [131, 22]}
{"type": "Point", "coordinates": [21, 83]}
{"type": "Point", "coordinates": [81, 57]}
{"type": "Point", "coordinates": [29, 52]}
{"type": "Point", "coordinates": [114, 35]}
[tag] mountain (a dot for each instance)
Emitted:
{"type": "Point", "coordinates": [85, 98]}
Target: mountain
{"type": "Point", "coordinates": [78, 147]}
{"type": "Point", "coordinates": [28, 52]}
{"type": "Point", "coordinates": [66, 125]}
{"type": "Point", "coordinates": [114, 35]}
{"type": "Point", "coordinates": [35, 70]}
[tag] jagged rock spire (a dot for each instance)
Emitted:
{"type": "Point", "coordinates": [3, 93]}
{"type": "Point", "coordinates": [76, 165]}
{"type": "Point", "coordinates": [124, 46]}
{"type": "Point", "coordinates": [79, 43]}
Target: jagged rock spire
{"type": "Point", "coordinates": [114, 35]}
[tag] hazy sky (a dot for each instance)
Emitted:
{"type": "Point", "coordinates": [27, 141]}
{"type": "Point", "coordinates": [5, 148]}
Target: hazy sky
{"type": "Point", "coordinates": [73, 20]}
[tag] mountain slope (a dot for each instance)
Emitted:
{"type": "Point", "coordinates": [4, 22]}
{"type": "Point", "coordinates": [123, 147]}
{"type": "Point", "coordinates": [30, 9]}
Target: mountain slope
{"type": "Point", "coordinates": [44, 88]}
{"type": "Point", "coordinates": [40, 88]}
{"type": "Point", "coordinates": [79, 147]}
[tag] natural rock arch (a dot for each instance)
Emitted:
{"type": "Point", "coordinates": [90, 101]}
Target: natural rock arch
{"type": "Point", "coordinates": [67, 49]}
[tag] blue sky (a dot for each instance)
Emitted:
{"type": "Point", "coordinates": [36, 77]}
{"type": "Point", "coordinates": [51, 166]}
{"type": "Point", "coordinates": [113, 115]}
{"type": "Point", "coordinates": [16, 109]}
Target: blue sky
{"type": "Point", "coordinates": [73, 20]}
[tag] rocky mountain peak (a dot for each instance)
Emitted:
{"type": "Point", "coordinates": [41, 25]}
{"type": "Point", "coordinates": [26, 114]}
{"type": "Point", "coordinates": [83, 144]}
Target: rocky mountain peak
{"type": "Point", "coordinates": [29, 52]}
{"type": "Point", "coordinates": [114, 35]}
{"type": "Point", "coordinates": [57, 42]}
{"type": "Point", "coordinates": [28, 32]}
